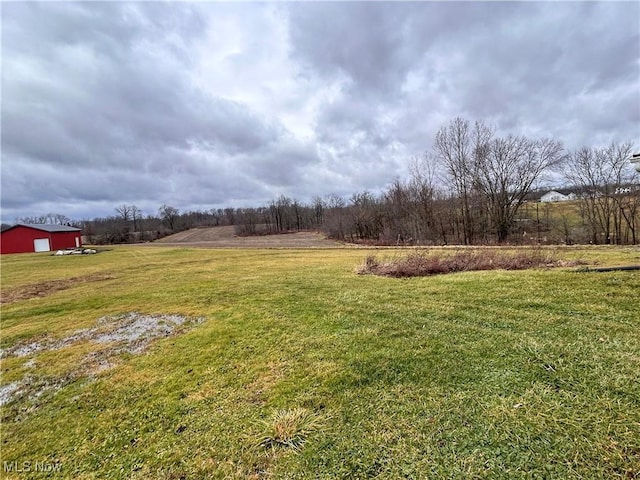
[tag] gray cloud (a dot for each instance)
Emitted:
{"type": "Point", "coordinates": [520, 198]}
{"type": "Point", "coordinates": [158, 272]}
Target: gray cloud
{"type": "Point", "coordinates": [212, 104]}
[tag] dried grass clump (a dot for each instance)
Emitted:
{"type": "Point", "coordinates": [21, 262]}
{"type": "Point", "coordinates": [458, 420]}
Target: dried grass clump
{"type": "Point", "coordinates": [419, 264]}
{"type": "Point", "coordinates": [289, 428]}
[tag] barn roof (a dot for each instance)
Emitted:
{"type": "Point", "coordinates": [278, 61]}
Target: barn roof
{"type": "Point", "coordinates": [46, 227]}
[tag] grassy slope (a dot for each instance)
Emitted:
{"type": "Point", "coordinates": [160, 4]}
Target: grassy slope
{"type": "Point", "coordinates": [487, 374]}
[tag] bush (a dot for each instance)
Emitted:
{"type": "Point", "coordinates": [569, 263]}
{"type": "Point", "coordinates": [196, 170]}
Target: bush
{"type": "Point", "coordinates": [418, 264]}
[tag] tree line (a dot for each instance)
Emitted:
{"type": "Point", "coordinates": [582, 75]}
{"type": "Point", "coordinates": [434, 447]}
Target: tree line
{"type": "Point", "coordinates": [473, 187]}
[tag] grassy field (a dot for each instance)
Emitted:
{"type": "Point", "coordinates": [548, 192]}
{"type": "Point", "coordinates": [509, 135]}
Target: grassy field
{"type": "Point", "coordinates": [295, 367]}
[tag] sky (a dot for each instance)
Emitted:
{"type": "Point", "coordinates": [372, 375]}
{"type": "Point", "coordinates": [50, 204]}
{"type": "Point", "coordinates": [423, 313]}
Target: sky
{"type": "Point", "coordinates": [209, 105]}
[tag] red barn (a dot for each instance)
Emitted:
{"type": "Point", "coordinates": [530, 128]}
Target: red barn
{"type": "Point", "coordinates": [22, 238]}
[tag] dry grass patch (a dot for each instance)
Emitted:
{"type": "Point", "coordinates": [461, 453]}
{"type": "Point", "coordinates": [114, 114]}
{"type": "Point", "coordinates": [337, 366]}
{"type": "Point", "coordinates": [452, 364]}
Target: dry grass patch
{"type": "Point", "coordinates": [42, 289]}
{"type": "Point", "coordinates": [289, 428]}
{"type": "Point", "coordinates": [420, 264]}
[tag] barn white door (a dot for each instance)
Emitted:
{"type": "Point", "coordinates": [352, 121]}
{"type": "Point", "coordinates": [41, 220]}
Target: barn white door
{"type": "Point", "coordinates": [77, 242]}
{"type": "Point", "coordinates": [41, 245]}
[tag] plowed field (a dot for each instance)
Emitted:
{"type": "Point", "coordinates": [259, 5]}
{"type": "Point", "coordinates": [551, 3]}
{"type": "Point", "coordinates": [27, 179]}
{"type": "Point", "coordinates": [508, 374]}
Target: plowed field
{"type": "Point", "coordinates": [224, 237]}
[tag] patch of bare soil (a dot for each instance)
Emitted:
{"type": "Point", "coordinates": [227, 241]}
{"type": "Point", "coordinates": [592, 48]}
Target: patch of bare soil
{"type": "Point", "coordinates": [225, 237]}
{"type": "Point", "coordinates": [128, 333]}
{"type": "Point", "coordinates": [43, 289]}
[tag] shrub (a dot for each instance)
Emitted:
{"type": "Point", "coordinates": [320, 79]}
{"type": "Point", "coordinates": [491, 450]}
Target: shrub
{"type": "Point", "coordinates": [417, 264]}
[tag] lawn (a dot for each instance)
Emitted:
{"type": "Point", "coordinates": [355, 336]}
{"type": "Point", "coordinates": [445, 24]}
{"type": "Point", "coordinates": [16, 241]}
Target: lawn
{"type": "Point", "coordinates": [290, 365]}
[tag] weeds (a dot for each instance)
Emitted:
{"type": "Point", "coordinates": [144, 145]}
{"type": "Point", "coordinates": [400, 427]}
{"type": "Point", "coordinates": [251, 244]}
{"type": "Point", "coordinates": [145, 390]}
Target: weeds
{"type": "Point", "coordinates": [418, 264]}
{"type": "Point", "coordinates": [289, 428]}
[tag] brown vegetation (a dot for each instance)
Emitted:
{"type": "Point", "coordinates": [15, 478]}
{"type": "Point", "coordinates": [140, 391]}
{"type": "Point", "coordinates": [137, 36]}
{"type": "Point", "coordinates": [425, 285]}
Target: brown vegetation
{"type": "Point", "coordinates": [42, 289]}
{"type": "Point", "coordinates": [225, 237]}
{"type": "Point", "coordinates": [419, 264]}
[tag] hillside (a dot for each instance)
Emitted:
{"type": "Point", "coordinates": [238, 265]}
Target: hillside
{"type": "Point", "coordinates": [224, 237]}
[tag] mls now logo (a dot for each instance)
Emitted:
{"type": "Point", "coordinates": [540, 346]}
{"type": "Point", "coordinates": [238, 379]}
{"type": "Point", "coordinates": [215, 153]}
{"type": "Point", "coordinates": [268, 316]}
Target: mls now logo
{"type": "Point", "coordinates": [28, 466]}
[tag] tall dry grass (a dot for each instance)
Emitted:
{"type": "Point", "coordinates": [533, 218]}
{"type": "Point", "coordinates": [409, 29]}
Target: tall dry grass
{"type": "Point", "coordinates": [418, 264]}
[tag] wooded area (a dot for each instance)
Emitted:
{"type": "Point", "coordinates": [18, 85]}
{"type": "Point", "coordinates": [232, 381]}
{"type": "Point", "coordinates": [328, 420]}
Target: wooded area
{"type": "Point", "coordinates": [473, 187]}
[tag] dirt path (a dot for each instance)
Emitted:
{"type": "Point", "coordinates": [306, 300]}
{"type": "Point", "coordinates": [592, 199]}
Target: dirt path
{"type": "Point", "coordinates": [224, 237]}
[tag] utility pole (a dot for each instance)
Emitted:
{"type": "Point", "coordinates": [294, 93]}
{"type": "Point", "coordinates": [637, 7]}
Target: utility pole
{"type": "Point", "coordinates": [538, 222]}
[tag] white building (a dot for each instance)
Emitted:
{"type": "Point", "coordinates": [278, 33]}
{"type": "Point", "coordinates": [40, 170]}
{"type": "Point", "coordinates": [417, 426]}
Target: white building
{"type": "Point", "coordinates": [554, 196]}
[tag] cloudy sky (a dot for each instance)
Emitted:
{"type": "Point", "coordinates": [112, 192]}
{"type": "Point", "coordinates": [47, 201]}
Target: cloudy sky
{"type": "Point", "coordinates": [206, 105]}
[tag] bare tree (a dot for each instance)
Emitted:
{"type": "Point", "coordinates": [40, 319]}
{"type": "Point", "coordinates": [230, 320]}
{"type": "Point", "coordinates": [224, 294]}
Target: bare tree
{"type": "Point", "coordinates": [629, 203]}
{"type": "Point", "coordinates": [318, 211]}
{"type": "Point", "coordinates": [124, 212]}
{"type": "Point", "coordinates": [398, 211]}
{"type": "Point", "coordinates": [408, 207]}
{"type": "Point", "coordinates": [216, 215]}
{"type": "Point", "coordinates": [422, 186]}
{"type": "Point", "coordinates": [297, 213]}
{"type": "Point", "coordinates": [600, 173]}
{"type": "Point", "coordinates": [130, 216]}
{"type": "Point", "coordinates": [453, 146]}
{"type": "Point", "coordinates": [49, 218]}
{"type": "Point", "coordinates": [277, 210]}
{"type": "Point", "coordinates": [366, 217]}
{"type": "Point", "coordinates": [136, 216]}
{"type": "Point", "coordinates": [334, 218]}
{"type": "Point", "coordinates": [491, 175]}
{"type": "Point", "coordinates": [247, 223]}
{"type": "Point", "coordinates": [169, 216]}
{"type": "Point", "coordinates": [230, 216]}
{"type": "Point", "coordinates": [505, 170]}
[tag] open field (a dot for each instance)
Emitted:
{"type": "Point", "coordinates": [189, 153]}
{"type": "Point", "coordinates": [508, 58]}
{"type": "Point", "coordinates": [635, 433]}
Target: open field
{"type": "Point", "coordinates": [224, 237]}
{"type": "Point", "coordinates": [176, 363]}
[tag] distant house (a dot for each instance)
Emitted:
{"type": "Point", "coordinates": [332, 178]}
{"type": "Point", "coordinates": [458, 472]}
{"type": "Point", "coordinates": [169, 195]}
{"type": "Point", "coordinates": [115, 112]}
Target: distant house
{"type": "Point", "coordinates": [556, 196]}
{"type": "Point", "coordinates": [23, 238]}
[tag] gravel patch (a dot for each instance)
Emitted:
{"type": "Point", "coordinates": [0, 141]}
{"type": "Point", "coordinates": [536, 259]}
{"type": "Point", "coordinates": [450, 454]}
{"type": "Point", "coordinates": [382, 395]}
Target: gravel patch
{"type": "Point", "coordinates": [132, 332]}
{"type": "Point", "coordinates": [7, 391]}
{"type": "Point", "coordinates": [113, 335]}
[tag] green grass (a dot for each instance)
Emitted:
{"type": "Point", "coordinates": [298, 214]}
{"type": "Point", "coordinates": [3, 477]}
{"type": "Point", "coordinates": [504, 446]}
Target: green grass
{"type": "Point", "coordinates": [304, 369]}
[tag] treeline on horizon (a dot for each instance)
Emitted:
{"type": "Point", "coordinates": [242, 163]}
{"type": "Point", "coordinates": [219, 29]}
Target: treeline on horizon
{"type": "Point", "coordinates": [473, 188]}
